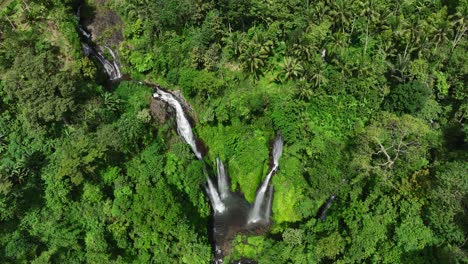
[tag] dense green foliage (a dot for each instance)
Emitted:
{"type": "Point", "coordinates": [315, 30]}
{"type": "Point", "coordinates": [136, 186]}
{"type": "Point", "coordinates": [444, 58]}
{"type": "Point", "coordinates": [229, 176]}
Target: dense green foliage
{"type": "Point", "coordinates": [370, 96]}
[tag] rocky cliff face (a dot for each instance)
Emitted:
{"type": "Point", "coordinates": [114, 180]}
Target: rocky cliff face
{"type": "Point", "coordinates": [103, 23]}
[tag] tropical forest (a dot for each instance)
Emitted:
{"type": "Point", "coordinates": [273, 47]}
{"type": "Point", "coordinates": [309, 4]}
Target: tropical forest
{"type": "Point", "coordinates": [233, 131]}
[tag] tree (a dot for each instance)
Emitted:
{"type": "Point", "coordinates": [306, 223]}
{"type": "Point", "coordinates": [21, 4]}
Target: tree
{"type": "Point", "coordinates": [392, 147]}
{"type": "Point", "coordinates": [44, 92]}
{"type": "Point", "coordinates": [291, 68]}
{"type": "Point", "coordinates": [407, 98]}
{"type": "Point", "coordinates": [234, 44]}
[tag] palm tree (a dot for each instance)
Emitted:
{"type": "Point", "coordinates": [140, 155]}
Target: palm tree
{"type": "Point", "coordinates": [291, 68]}
{"type": "Point", "coordinates": [253, 60]}
{"type": "Point", "coordinates": [440, 32]}
{"type": "Point", "coordinates": [341, 13]}
{"type": "Point", "coordinates": [130, 10]}
{"type": "Point", "coordinates": [368, 11]}
{"type": "Point", "coordinates": [315, 73]}
{"type": "Point", "coordinates": [110, 102]}
{"type": "Point", "coordinates": [303, 49]}
{"type": "Point", "coordinates": [400, 69]}
{"type": "Point", "coordinates": [256, 53]}
{"type": "Point", "coordinates": [304, 91]}
{"type": "Point", "coordinates": [234, 43]}
{"type": "Point", "coordinates": [262, 42]}
{"type": "Point", "coordinates": [460, 28]}
{"type": "Point", "coordinates": [317, 12]}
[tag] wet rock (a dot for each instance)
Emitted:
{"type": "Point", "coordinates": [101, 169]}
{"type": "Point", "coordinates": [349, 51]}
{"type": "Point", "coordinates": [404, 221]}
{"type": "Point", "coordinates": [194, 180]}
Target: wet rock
{"type": "Point", "coordinates": [159, 111]}
{"type": "Point", "coordinates": [104, 24]}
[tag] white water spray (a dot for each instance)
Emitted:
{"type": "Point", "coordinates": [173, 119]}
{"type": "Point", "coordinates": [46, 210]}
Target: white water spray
{"type": "Point", "coordinates": [218, 206]}
{"type": "Point", "coordinates": [183, 126]}
{"type": "Point", "coordinates": [268, 205]}
{"type": "Point", "coordinates": [255, 214]}
{"type": "Point", "coordinates": [114, 62]}
{"type": "Point", "coordinates": [223, 184]}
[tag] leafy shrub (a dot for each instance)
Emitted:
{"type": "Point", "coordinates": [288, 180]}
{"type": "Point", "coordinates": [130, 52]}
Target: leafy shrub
{"type": "Point", "coordinates": [407, 98]}
{"type": "Point", "coordinates": [202, 83]}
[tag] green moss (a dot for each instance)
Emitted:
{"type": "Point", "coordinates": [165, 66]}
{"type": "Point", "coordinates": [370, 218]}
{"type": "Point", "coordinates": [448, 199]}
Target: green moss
{"type": "Point", "coordinates": [244, 149]}
{"type": "Point", "coordinates": [289, 186]}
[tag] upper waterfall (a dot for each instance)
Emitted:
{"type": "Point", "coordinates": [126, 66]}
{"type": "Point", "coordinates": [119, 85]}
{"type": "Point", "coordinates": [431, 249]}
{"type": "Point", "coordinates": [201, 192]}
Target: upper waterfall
{"type": "Point", "coordinates": [183, 126]}
{"type": "Point", "coordinates": [112, 68]}
{"type": "Point", "coordinates": [277, 150]}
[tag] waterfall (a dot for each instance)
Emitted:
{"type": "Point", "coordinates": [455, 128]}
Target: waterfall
{"type": "Point", "coordinates": [112, 69]}
{"type": "Point", "coordinates": [255, 215]}
{"type": "Point", "coordinates": [268, 205]}
{"type": "Point", "coordinates": [87, 50]}
{"type": "Point", "coordinates": [84, 32]}
{"type": "Point", "coordinates": [183, 126]}
{"type": "Point", "coordinates": [114, 62]}
{"type": "Point", "coordinates": [218, 206]}
{"type": "Point", "coordinates": [326, 206]}
{"type": "Point", "coordinates": [223, 184]}
{"type": "Point", "coordinates": [277, 150]}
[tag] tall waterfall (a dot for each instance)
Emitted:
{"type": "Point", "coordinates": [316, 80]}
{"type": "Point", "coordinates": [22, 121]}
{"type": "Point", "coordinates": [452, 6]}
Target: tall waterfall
{"type": "Point", "coordinates": [223, 184]}
{"type": "Point", "coordinates": [268, 205]}
{"type": "Point", "coordinates": [218, 206]}
{"type": "Point", "coordinates": [255, 214]}
{"type": "Point", "coordinates": [183, 126]}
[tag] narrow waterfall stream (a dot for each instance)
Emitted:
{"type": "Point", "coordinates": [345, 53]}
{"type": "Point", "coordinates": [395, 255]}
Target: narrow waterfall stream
{"type": "Point", "coordinates": [183, 126]}
{"type": "Point", "coordinates": [256, 213]}
{"type": "Point", "coordinates": [223, 182]}
{"type": "Point", "coordinates": [268, 205]}
{"type": "Point", "coordinates": [218, 206]}
{"type": "Point", "coordinates": [112, 69]}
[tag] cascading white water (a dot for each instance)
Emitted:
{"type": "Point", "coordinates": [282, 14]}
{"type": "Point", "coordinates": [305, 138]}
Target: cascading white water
{"type": "Point", "coordinates": [218, 206]}
{"type": "Point", "coordinates": [183, 126]}
{"type": "Point", "coordinates": [255, 214]}
{"type": "Point", "coordinates": [327, 205]}
{"type": "Point", "coordinates": [223, 184]}
{"type": "Point", "coordinates": [185, 131]}
{"type": "Point", "coordinates": [114, 62]}
{"type": "Point", "coordinates": [277, 150]}
{"type": "Point", "coordinates": [112, 69]}
{"type": "Point", "coordinates": [84, 32]}
{"type": "Point", "coordinates": [268, 205]}
{"type": "Point", "coordinates": [87, 50]}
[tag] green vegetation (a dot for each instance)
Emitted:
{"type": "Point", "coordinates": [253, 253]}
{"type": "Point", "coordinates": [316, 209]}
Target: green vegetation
{"type": "Point", "coordinates": [370, 96]}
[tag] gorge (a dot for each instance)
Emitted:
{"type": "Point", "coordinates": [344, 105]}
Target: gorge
{"type": "Point", "coordinates": [232, 214]}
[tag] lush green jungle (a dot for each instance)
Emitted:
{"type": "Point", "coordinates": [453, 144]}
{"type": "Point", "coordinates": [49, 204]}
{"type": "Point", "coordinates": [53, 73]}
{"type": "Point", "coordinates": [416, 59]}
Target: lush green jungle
{"type": "Point", "coordinates": [370, 96]}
